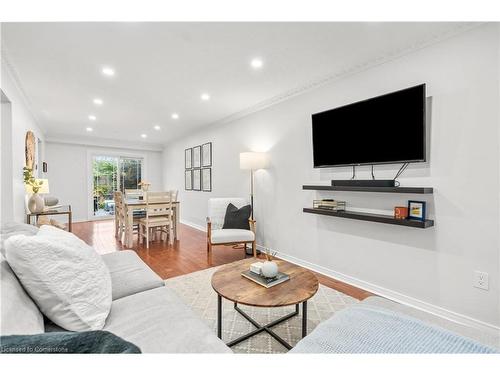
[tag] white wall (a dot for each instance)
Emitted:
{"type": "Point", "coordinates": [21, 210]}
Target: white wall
{"type": "Point", "coordinates": [22, 121]}
{"type": "Point", "coordinates": [68, 172]}
{"type": "Point", "coordinates": [6, 187]}
{"type": "Point", "coordinates": [429, 268]}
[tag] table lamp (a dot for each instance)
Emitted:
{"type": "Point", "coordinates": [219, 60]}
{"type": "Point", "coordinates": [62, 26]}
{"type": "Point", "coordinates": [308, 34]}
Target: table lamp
{"type": "Point", "coordinates": [253, 161]}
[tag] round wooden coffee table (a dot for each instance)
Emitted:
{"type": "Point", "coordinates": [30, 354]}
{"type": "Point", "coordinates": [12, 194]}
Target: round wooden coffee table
{"type": "Point", "coordinates": [228, 283]}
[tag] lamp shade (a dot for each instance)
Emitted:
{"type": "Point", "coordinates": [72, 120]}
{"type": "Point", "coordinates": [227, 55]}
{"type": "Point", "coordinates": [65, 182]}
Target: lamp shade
{"type": "Point", "coordinates": [253, 160]}
{"type": "Point", "coordinates": [44, 188]}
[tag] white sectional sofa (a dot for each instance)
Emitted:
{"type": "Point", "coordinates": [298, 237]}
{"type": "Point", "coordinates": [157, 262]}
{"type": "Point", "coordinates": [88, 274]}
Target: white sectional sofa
{"type": "Point", "coordinates": [143, 312]}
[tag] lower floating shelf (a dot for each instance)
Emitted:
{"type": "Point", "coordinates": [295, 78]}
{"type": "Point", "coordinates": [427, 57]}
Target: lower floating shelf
{"type": "Point", "coordinates": [365, 216]}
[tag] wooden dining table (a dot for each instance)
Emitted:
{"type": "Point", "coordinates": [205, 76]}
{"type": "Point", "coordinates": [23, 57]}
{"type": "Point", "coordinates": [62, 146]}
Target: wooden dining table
{"type": "Point", "coordinates": [132, 204]}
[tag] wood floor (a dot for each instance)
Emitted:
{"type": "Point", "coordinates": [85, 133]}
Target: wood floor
{"type": "Point", "coordinates": [188, 254]}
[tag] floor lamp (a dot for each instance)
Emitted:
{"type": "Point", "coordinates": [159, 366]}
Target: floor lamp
{"type": "Point", "coordinates": [253, 161]}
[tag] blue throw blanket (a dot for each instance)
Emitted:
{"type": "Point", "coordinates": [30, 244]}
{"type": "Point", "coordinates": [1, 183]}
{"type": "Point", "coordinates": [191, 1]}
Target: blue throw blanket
{"type": "Point", "coordinates": [66, 342]}
{"type": "Point", "coordinates": [370, 329]}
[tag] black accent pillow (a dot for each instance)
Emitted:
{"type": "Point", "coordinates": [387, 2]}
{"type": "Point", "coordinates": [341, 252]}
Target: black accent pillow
{"type": "Point", "coordinates": [95, 342]}
{"type": "Point", "coordinates": [237, 218]}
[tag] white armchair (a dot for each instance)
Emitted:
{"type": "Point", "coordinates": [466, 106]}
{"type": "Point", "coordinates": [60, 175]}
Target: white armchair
{"type": "Point", "coordinates": [215, 220]}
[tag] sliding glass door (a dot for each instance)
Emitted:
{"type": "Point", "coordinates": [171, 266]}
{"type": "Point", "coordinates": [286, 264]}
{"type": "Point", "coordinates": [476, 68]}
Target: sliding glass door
{"type": "Point", "coordinates": [109, 174]}
{"type": "Point", "coordinates": [130, 173]}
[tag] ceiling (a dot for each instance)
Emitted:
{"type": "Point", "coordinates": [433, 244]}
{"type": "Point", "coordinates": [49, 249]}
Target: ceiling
{"type": "Point", "coordinates": [163, 68]}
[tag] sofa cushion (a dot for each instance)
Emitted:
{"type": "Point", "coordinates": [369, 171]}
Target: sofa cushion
{"type": "Point", "coordinates": [232, 235]}
{"type": "Point", "coordinates": [129, 274]}
{"type": "Point", "coordinates": [10, 229]}
{"type": "Point", "coordinates": [19, 314]}
{"type": "Point", "coordinates": [66, 278]}
{"type": "Point", "coordinates": [157, 321]}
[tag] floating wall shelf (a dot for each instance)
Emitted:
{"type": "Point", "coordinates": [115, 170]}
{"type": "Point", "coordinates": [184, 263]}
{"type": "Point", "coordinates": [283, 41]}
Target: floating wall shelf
{"type": "Point", "coordinates": [364, 216]}
{"type": "Point", "coordinates": [394, 190]}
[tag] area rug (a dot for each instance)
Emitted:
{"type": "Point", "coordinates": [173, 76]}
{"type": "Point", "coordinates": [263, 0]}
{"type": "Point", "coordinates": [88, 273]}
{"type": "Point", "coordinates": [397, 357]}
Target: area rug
{"type": "Point", "coordinates": [196, 291]}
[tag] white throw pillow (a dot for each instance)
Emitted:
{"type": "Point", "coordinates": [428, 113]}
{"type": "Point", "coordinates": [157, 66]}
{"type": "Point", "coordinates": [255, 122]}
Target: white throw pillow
{"type": "Point", "coordinates": [66, 278]}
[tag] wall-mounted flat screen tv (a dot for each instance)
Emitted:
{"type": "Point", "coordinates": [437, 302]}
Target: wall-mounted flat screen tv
{"type": "Point", "coordinates": [386, 129]}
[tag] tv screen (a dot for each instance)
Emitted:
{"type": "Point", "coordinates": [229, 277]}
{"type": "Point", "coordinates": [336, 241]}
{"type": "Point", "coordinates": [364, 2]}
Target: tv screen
{"type": "Point", "coordinates": [385, 129]}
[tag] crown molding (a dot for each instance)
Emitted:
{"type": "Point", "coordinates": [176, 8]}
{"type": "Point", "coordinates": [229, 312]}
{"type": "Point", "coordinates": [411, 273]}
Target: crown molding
{"type": "Point", "coordinates": [336, 76]}
{"type": "Point", "coordinates": [12, 72]}
{"type": "Point", "coordinates": [102, 142]}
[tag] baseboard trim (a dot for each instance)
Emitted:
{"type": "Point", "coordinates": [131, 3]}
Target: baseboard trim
{"type": "Point", "coordinates": [394, 296]}
{"type": "Point", "coordinates": [193, 225]}
{"type": "Point", "coordinates": [381, 291]}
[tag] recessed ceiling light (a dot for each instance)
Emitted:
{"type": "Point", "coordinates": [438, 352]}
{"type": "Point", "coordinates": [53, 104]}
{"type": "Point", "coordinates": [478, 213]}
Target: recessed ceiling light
{"type": "Point", "coordinates": [157, 127]}
{"type": "Point", "coordinates": [144, 135]}
{"type": "Point", "coordinates": [92, 118]}
{"type": "Point", "coordinates": [98, 101]}
{"type": "Point", "coordinates": [107, 71]}
{"type": "Point", "coordinates": [205, 97]}
{"type": "Point", "coordinates": [256, 63]}
{"type": "Point", "coordinates": [89, 129]}
{"type": "Point", "coordinates": [175, 116]}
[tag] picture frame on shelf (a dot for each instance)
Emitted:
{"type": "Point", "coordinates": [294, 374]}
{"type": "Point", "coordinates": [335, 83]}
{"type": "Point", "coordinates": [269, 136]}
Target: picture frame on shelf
{"type": "Point", "coordinates": [197, 157]}
{"type": "Point", "coordinates": [206, 155]}
{"type": "Point", "coordinates": [206, 179]}
{"type": "Point", "coordinates": [188, 158]}
{"type": "Point", "coordinates": [197, 179]}
{"type": "Point", "coordinates": [417, 210]}
{"type": "Point", "coordinates": [188, 179]}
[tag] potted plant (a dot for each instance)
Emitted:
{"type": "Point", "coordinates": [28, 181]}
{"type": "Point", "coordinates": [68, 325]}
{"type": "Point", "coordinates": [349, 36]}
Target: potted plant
{"type": "Point", "coordinates": [36, 202]}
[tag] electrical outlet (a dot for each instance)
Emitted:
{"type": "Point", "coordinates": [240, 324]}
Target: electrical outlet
{"type": "Point", "coordinates": [481, 280]}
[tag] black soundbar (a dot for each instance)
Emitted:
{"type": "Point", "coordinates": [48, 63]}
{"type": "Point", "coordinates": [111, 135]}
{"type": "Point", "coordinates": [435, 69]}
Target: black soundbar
{"type": "Point", "coordinates": [364, 183]}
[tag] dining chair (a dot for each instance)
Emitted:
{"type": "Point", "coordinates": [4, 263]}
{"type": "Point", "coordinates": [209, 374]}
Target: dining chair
{"type": "Point", "coordinates": [174, 194]}
{"type": "Point", "coordinates": [121, 217]}
{"type": "Point", "coordinates": [159, 216]}
{"type": "Point", "coordinates": [133, 193]}
{"type": "Point", "coordinates": [119, 214]}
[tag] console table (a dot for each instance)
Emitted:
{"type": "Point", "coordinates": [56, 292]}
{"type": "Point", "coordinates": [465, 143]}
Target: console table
{"type": "Point", "coordinates": [61, 210]}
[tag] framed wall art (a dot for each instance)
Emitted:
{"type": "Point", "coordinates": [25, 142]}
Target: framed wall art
{"type": "Point", "coordinates": [188, 179]}
{"type": "Point", "coordinates": [416, 210]}
{"type": "Point", "coordinates": [197, 157]}
{"type": "Point", "coordinates": [206, 154]}
{"type": "Point", "coordinates": [197, 179]}
{"type": "Point", "coordinates": [188, 158]}
{"type": "Point", "coordinates": [206, 179]}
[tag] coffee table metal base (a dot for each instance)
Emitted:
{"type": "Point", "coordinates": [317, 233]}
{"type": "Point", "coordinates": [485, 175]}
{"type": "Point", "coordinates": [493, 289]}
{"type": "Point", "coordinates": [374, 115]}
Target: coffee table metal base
{"type": "Point", "coordinates": [261, 328]}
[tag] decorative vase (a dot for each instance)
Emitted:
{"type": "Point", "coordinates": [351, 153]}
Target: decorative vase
{"type": "Point", "coordinates": [269, 269]}
{"type": "Point", "coordinates": [36, 203]}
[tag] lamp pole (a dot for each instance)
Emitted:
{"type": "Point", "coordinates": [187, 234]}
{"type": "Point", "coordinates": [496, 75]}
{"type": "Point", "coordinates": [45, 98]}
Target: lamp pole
{"type": "Point", "coordinates": [251, 190]}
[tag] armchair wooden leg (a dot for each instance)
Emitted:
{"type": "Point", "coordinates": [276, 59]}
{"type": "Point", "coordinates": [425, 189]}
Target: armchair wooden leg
{"type": "Point", "coordinates": [254, 249]}
{"type": "Point", "coordinates": [209, 247]}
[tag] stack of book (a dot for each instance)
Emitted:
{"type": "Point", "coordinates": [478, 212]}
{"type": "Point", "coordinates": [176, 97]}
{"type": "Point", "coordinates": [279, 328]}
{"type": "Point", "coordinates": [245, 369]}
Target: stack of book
{"type": "Point", "coordinates": [329, 204]}
{"type": "Point", "coordinates": [264, 281]}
